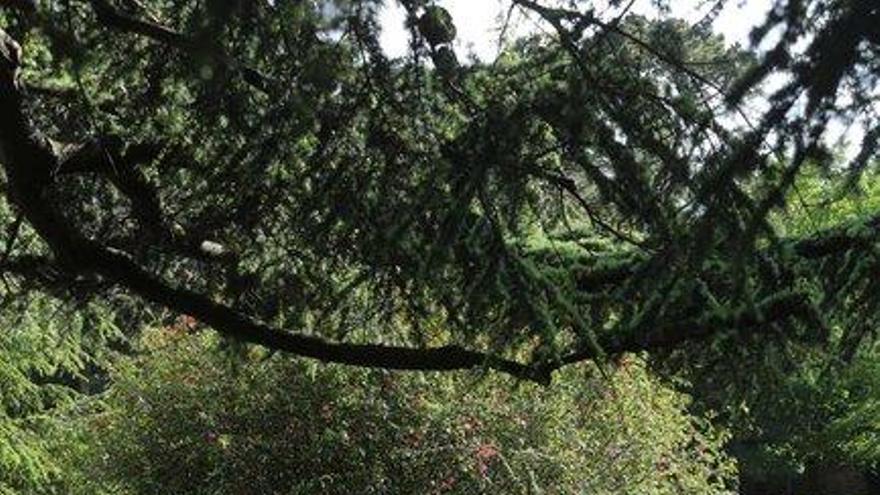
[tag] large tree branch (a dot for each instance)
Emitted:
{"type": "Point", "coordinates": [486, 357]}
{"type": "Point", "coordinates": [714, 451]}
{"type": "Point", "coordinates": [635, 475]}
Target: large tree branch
{"type": "Point", "coordinates": [658, 335]}
{"type": "Point", "coordinates": [28, 160]}
{"type": "Point", "coordinates": [117, 266]}
{"type": "Point", "coordinates": [109, 16]}
{"type": "Point", "coordinates": [839, 240]}
{"type": "Point", "coordinates": [830, 242]}
{"type": "Point", "coordinates": [119, 164]}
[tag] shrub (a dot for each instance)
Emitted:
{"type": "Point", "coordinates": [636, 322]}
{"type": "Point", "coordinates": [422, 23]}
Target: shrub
{"type": "Point", "coordinates": [184, 418]}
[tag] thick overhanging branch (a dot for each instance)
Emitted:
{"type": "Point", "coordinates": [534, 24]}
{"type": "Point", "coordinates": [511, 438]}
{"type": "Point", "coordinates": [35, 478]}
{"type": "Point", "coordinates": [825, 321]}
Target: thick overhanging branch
{"type": "Point", "coordinates": [109, 16]}
{"type": "Point", "coordinates": [839, 240]}
{"type": "Point", "coordinates": [659, 335]}
{"type": "Point", "coordinates": [119, 267]}
{"type": "Point", "coordinates": [830, 242]}
{"type": "Point", "coordinates": [28, 159]}
{"type": "Point", "coordinates": [112, 159]}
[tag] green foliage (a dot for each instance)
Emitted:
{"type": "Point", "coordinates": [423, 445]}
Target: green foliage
{"type": "Point", "coordinates": [49, 355]}
{"type": "Point", "coordinates": [184, 418]}
{"type": "Point", "coordinates": [585, 193]}
{"type": "Point", "coordinates": [794, 409]}
{"type": "Point", "coordinates": [791, 419]}
{"type": "Point", "coordinates": [819, 202]}
{"type": "Point", "coordinates": [852, 416]}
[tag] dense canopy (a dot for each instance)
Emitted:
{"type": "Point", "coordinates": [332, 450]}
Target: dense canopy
{"type": "Point", "coordinates": [266, 169]}
{"type": "Point", "coordinates": [612, 184]}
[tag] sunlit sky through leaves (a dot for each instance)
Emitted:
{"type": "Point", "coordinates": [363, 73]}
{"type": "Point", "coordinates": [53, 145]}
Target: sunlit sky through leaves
{"type": "Point", "coordinates": [478, 24]}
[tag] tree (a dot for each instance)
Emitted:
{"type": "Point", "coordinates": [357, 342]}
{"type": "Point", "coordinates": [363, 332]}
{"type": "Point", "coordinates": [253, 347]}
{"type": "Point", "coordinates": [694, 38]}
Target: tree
{"type": "Point", "coordinates": [264, 168]}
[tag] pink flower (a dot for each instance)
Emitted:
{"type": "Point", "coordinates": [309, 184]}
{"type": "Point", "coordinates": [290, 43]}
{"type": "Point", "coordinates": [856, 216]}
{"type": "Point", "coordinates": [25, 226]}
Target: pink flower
{"type": "Point", "coordinates": [484, 455]}
{"type": "Point", "coordinates": [448, 483]}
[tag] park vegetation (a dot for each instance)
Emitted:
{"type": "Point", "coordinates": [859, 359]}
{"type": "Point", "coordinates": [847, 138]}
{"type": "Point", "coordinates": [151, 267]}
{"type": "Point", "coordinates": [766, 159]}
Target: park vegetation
{"type": "Point", "coordinates": [245, 251]}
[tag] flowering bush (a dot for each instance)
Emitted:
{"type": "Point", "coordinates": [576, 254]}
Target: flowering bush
{"type": "Point", "coordinates": [185, 418]}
